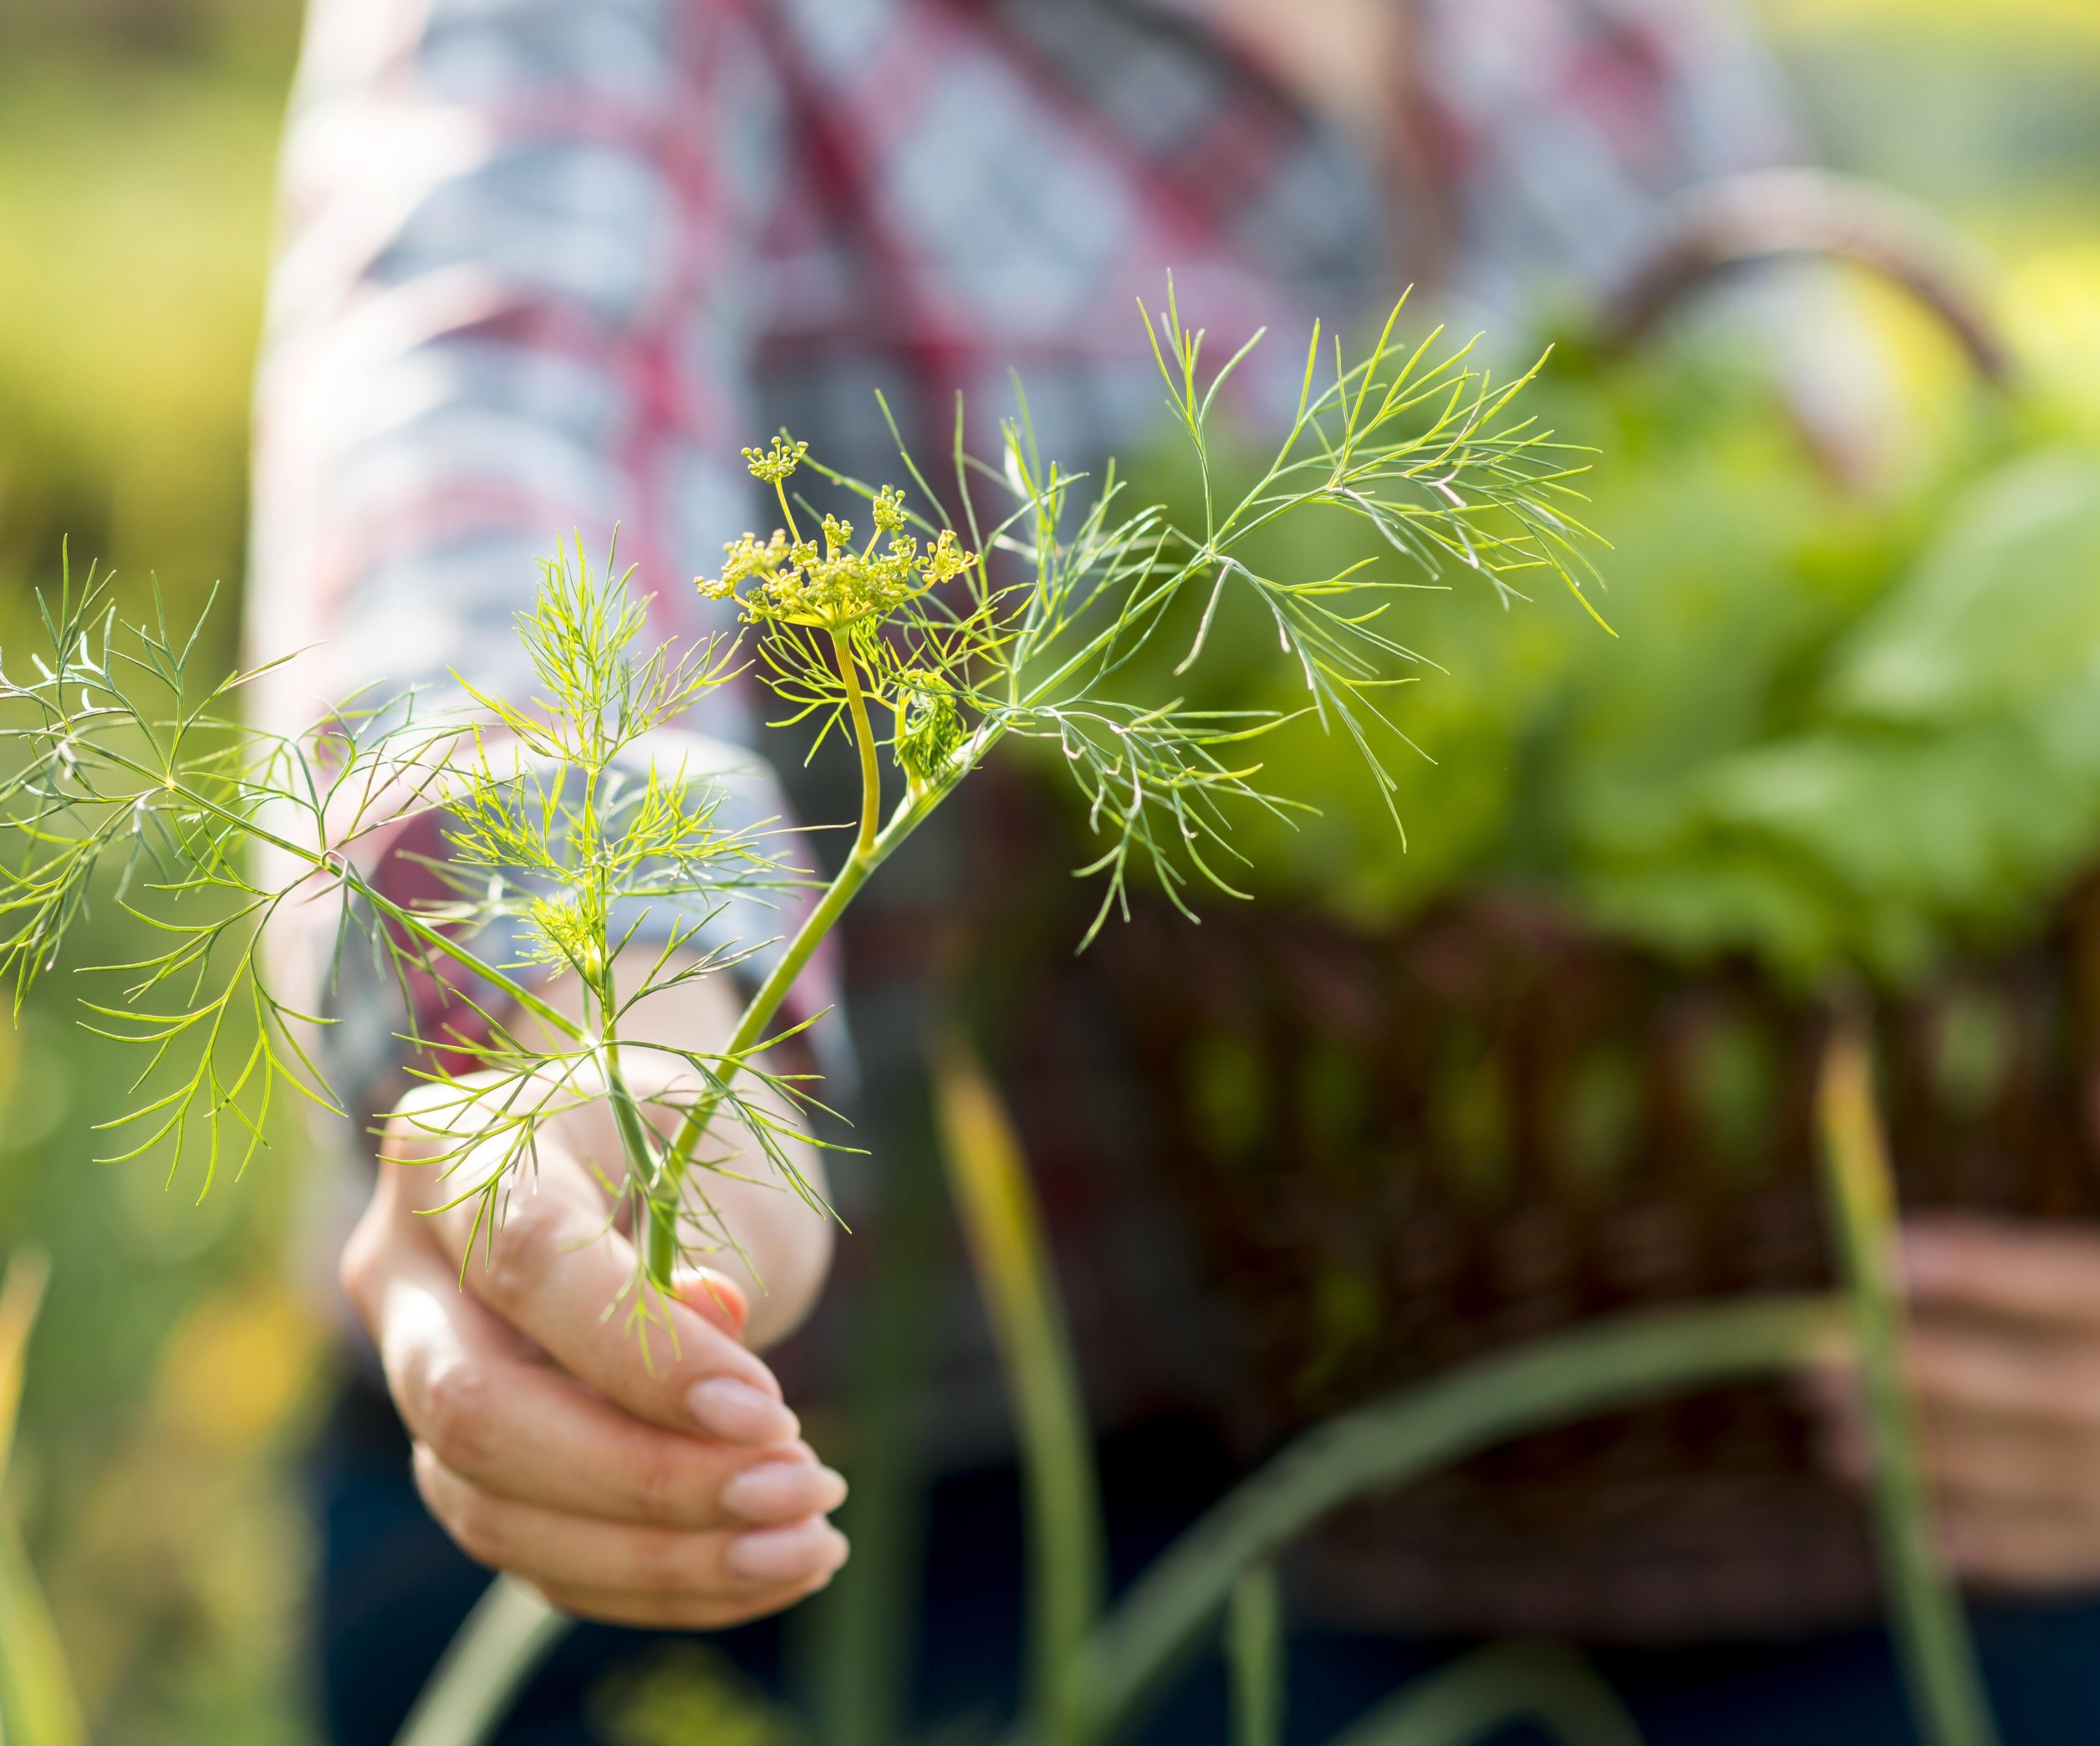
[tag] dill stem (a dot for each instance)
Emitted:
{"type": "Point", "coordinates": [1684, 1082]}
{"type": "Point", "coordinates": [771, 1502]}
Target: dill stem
{"type": "Point", "coordinates": [868, 849]}
{"type": "Point", "coordinates": [751, 1029]}
{"type": "Point", "coordinates": [440, 942]}
{"type": "Point", "coordinates": [659, 1195]}
{"type": "Point", "coordinates": [871, 846]}
{"type": "Point", "coordinates": [627, 1119]}
{"type": "Point", "coordinates": [764, 1004]}
{"type": "Point", "coordinates": [864, 738]}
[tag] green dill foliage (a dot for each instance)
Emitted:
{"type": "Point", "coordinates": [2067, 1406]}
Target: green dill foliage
{"type": "Point", "coordinates": [574, 851]}
{"type": "Point", "coordinates": [123, 778]}
{"type": "Point", "coordinates": [1838, 733]}
{"type": "Point", "coordinates": [1067, 580]}
{"type": "Point", "coordinates": [566, 839]}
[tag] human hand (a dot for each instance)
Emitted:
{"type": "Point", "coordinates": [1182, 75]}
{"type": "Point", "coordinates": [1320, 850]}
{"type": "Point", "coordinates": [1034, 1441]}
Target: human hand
{"type": "Point", "coordinates": [670, 1491]}
{"type": "Point", "coordinates": [2003, 1364]}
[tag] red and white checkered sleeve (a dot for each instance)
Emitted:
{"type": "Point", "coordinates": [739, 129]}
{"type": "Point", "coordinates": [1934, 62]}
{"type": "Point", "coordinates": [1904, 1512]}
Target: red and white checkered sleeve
{"type": "Point", "coordinates": [513, 302]}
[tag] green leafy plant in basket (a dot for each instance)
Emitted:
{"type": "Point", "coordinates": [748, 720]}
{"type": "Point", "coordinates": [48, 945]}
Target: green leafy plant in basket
{"type": "Point", "coordinates": [1836, 729]}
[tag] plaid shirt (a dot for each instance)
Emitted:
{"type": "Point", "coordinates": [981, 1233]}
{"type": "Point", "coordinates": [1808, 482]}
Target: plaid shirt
{"type": "Point", "coordinates": [547, 264]}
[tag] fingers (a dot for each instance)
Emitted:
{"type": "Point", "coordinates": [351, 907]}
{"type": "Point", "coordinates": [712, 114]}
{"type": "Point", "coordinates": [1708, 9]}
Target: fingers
{"type": "Point", "coordinates": [675, 1612]}
{"type": "Point", "coordinates": [520, 1429]}
{"type": "Point", "coordinates": [2009, 1419]}
{"type": "Point", "coordinates": [2029, 1551]}
{"type": "Point", "coordinates": [1983, 1369]}
{"type": "Point", "coordinates": [528, 1433]}
{"type": "Point", "coordinates": [2014, 1268]}
{"type": "Point", "coordinates": [1986, 1462]}
{"type": "Point", "coordinates": [717, 1297]}
{"type": "Point", "coordinates": [553, 1272]}
{"type": "Point", "coordinates": [1976, 1388]}
{"type": "Point", "coordinates": [554, 1269]}
{"type": "Point", "coordinates": [705, 1567]}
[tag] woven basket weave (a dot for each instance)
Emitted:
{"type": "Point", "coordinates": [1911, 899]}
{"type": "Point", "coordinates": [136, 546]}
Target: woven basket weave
{"type": "Point", "coordinates": [1397, 1152]}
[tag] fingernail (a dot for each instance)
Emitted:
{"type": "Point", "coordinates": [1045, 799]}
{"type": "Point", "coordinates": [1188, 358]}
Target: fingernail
{"type": "Point", "coordinates": [783, 1491]}
{"type": "Point", "coordinates": [717, 1297]}
{"type": "Point", "coordinates": [733, 1410]}
{"type": "Point", "coordinates": [787, 1555]}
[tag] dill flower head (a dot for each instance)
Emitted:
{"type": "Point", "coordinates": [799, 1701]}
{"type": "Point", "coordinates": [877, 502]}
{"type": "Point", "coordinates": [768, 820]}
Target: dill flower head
{"type": "Point", "coordinates": [830, 584]}
{"type": "Point", "coordinates": [777, 463]}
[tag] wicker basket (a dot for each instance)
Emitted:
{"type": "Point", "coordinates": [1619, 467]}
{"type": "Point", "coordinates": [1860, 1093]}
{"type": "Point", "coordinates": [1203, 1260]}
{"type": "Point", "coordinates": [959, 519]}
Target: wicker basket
{"type": "Point", "coordinates": [1397, 1152]}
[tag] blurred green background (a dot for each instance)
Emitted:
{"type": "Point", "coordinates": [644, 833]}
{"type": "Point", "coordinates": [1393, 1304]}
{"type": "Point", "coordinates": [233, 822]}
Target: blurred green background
{"type": "Point", "coordinates": [179, 1363]}
{"type": "Point", "coordinates": [177, 1360]}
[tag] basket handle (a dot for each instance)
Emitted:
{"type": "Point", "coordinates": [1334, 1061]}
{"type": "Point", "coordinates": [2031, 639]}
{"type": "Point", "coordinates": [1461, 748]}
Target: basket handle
{"type": "Point", "coordinates": [1737, 221]}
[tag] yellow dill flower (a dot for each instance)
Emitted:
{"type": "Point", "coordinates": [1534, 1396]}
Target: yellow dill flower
{"type": "Point", "coordinates": [946, 560]}
{"type": "Point", "coordinates": [776, 464]}
{"type": "Point", "coordinates": [831, 585]}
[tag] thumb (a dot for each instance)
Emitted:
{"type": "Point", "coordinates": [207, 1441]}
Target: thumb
{"type": "Point", "coordinates": [714, 1296]}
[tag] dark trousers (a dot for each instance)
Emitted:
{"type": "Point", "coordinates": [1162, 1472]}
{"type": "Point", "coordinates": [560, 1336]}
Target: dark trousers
{"type": "Point", "coordinates": [392, 1589]}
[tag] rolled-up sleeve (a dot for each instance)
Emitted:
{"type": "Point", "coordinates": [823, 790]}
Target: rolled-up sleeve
{"type": "Point", "coordinates": [513, 302]}
{"type": "Point", "coordinates": [513, 299]}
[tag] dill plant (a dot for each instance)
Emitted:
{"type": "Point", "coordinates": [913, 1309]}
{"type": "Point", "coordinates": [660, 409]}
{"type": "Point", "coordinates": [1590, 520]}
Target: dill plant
{"type": "Point", "coordinates": [574, 849]}
{"type": "Point", "coordinates": [1016, 609]}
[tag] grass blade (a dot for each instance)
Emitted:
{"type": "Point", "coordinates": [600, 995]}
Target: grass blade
{"type": "Point", "coordinates": [37, 1703]}
{"type": "Point", "coordinates": [36, 1686]}
{"type": "Point", "coordinates": [1478, 1696]}
{"type": "Point", "coordinates": [1003, 1229]}
{"type": "Point", "coordinates": [1255, 1657]}
{"type": "Point", "coordinates": [1933, 1645]}
{"type": "Point", "coordinates": [1614, 1362]}
{"type": "Point", "coordinates": [20, 1297]}
{"type": "Point", "coordinates": [855, 1647]}
{"type": "Point", "coordinates": [485, 1666]}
